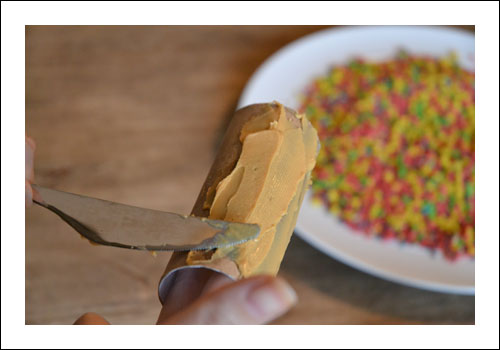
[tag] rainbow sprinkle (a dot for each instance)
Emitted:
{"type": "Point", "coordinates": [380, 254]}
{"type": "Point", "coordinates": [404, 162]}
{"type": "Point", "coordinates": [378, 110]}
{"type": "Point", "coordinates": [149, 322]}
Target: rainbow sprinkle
{"type": "Point", "coordinates": [397, 157]}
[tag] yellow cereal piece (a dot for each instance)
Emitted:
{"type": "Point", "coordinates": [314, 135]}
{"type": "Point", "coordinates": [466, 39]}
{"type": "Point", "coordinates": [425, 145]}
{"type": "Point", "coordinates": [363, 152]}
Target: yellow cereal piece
{"type": "Point", "coordinates": [316, 202]}
{"type": "Point", "coordinates": [335, 210]}
{"type": "Point", "coordinates": [448, 225]}
{"type": "Point", "coordinates": [396, 221]}
{"type": "Point", "coordinates": [337, 76]}
{"type": "Point", "coordinates": [426, 170]}
{"type": "Point", "coordinates": [374, 210]}
{"type": "Point", "coordinates": [388, 176]}
{"type": "Point", "coordinates": [399, 84]}
{"type": "Point", "coordinates": [414, 151]}
{"type": "Point", "coordinates": [349, 215]}
{"type": "Point", "coordinates": [333, 196]}
{"type": "Point", "coordinates": [356, 202]}
{"type": "Point", "coordinates": [459, 186]}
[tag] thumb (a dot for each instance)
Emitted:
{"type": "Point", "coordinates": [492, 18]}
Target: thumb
{"type": "Point", "coordinates": [91, 318]}
{"type": "Point", "coordinates": [255, 300]}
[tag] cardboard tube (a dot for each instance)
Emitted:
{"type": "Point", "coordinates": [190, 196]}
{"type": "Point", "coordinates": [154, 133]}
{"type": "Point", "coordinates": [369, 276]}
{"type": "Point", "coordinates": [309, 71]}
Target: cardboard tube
{"type": "Point", "coordinates": [226, 159]}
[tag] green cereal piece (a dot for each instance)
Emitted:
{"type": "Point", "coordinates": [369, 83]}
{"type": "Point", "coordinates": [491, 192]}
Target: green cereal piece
{"type": "Point", "coordinates": [402, 171]}
{"type": "Point", "coordinates": [352, 155]}
{"type": "Point", "coordinates": [442, 120]}
{"type": "Point", "coordinates": [407, 199]}
{"type": "Point", "coordinates": [310, 110]}
{"type": "Point", "coordinates": [389, 83]}
{"type": "Point", "coordinates": [415, 74]}
{"type": "Point", "coordinates": [451, 201]}
{"type": "Point", "coordinates": [338, 181]}
{"type": "Point", "coordinates": [364, 181]}
{"type": "Point", "coordinates": [469, 189]}
{"type": "Point", "coordinates": [429, 209]}
{"type": "Point", "coordinates": [342, 202]}
{"type": "Point", "coordinates": [368, 150]}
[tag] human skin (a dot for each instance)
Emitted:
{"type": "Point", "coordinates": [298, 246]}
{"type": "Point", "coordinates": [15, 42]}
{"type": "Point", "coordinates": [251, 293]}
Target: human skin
{"type": "Point", "coordinates": [217, 301]}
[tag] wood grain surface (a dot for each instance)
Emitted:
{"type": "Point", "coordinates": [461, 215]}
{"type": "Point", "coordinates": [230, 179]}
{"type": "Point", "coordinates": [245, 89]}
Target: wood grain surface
{"type": "Point", "coordinates": [133, 115]}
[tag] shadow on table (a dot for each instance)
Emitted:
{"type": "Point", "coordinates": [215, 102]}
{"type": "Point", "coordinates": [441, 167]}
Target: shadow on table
{"type": "Point", "coordinates": [340, 281]}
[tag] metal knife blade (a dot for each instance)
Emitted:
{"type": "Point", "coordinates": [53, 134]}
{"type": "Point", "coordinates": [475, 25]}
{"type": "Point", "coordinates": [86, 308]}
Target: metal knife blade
{"type": "Point", "coordinates": [119, 225]}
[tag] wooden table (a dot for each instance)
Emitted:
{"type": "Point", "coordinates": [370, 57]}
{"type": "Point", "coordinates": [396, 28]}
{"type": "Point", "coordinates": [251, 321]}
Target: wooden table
{"type": "Point", "coordinates": [133, 115]}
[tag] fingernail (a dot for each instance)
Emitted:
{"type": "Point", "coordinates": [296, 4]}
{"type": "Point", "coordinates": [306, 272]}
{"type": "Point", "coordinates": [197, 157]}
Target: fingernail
{"type": "Point", "coordinates": [28, 197]}
{"type": "Point", "coordinates": [31, 142]}
{"type": "Point", "coordinates": [271, 300]}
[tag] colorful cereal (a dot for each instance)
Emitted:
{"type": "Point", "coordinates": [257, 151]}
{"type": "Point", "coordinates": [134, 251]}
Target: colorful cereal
{"type": "Point", "coordinates": [397, 156]}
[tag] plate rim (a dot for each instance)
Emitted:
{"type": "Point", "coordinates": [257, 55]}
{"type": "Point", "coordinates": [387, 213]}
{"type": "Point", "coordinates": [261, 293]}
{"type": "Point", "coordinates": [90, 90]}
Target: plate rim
{"type": "Point", "coordinates": [394, 277]}
{"type": "Point", "coordinates": [336, 31]}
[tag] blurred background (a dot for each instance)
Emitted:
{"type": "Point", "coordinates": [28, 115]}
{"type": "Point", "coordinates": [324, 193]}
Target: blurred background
{"type": "Point", "coordinates": [133, 115]}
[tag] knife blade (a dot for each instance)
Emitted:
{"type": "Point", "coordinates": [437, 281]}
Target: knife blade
{"type": "Point", "coordinates": [120, 225]}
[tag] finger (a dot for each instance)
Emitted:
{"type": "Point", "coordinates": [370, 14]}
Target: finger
{"type": "Point", "coordinates": [36, 196]}
{"type": "Point", "coordinates": [91, 318]}
{"type": "Point", "coordinates": [256, 300]}
{"type": "Point", "coordinates": [216, 281]}
{"type": "Point", "coordinates": [187, 286]}
{"type": "Point", "coordinates": [29, 159]}
{"type": "Point", "coordinates": [28, 194]}
{"type": "Point", "coordinates": [31, 142]}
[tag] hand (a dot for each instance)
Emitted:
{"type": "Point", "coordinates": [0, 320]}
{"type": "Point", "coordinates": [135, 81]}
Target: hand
{"type": "Point", "coordinates": [202, 296]}
{"type": "Point", "coordinates": [29, 171]}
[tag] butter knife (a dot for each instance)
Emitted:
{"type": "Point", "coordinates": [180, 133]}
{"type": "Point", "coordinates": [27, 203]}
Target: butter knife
{"type": "Point", "coordinates": [124, 226]}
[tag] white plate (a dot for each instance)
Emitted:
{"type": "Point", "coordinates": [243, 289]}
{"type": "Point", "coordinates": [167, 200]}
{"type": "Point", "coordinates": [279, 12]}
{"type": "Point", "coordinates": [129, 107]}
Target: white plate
{"type": "Point", "coordinates": [283, 77]}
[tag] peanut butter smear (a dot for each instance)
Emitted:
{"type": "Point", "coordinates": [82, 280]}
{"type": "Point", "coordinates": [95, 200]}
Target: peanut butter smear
{"type": "Point", "coordinates": [266, 187]}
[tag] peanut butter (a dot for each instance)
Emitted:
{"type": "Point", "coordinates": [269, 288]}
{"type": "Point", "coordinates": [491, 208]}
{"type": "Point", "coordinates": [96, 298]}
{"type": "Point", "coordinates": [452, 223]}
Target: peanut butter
{"type": "Point", "coordinates": [266, 187]}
